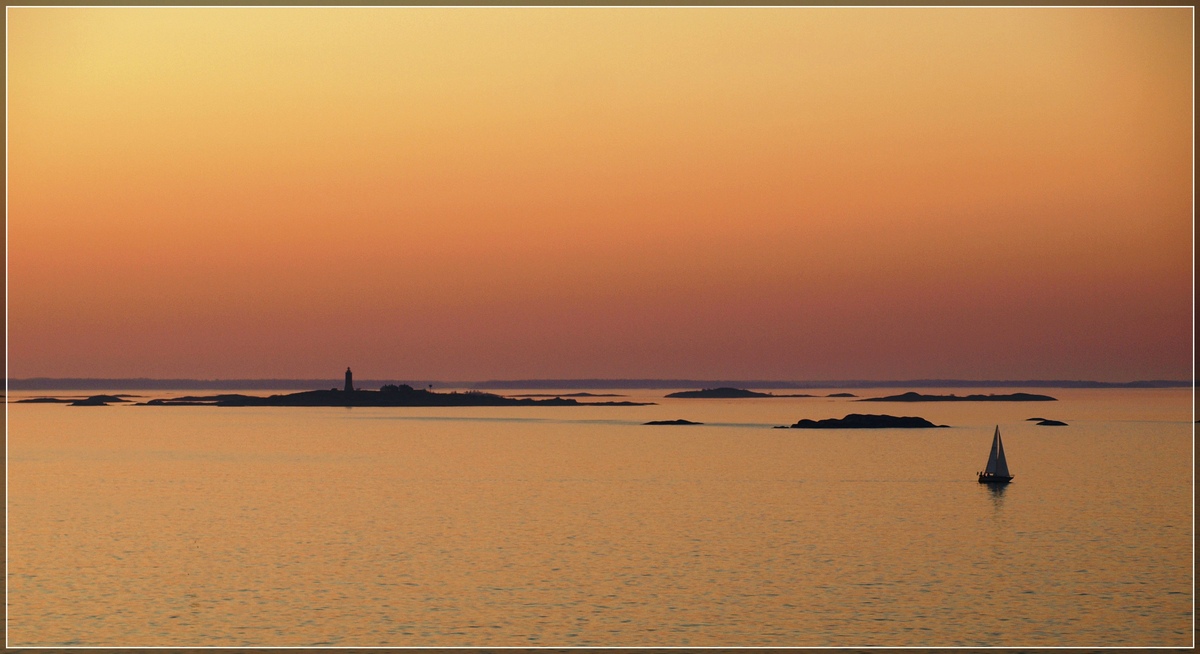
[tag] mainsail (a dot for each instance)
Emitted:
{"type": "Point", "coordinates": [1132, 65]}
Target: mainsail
{"type": "Point", "coordinates": [996, 464]}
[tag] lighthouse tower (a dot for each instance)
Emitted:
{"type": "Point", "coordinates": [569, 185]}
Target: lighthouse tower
{"type": "Point", "coordinates": [349, 380]}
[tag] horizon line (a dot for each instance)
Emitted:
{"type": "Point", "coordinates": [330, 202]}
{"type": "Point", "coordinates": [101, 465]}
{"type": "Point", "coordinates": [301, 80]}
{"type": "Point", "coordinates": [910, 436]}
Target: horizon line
{"type": "Point", "coordinates": [152, 383]}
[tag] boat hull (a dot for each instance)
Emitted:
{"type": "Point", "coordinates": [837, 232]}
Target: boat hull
{"type": "Point", "coordinates": [985, 478]}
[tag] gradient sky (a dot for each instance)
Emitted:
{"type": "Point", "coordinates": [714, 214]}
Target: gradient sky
{"type": "Point", "coordinates": [475, 193]}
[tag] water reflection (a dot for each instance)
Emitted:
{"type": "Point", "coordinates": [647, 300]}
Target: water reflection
{"type": "Point", "coordinates": [996, 493]}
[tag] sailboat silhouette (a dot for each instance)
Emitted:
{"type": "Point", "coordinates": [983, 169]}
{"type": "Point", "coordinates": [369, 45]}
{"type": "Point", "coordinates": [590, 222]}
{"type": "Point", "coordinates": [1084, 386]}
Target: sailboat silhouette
{"type": "Point", "coordinates": [996, 471]}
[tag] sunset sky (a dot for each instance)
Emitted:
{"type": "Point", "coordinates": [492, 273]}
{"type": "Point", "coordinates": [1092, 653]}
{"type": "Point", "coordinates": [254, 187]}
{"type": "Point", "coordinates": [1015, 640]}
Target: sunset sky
{"type": "Point", "coordinates": [478, 193]}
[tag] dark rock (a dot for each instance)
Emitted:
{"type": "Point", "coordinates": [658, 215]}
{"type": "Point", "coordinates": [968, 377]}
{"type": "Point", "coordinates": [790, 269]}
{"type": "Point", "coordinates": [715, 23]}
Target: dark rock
{"type": "Point", "coordinates": [841, 395]}
{"type": "Point", "coordinates": [719, 393]}
{"type": "Point", "coordinates": [96, 400]}
{"type": "Point", "coordinates": [201, 399]}
{"type": "Point", "coordinates": [1051, 423]}
{"type": "Point", "coordinates": [918, 397]}
{"type": "Point", "coordinates": [866, 421]}
{"type": "Point", "coordinates": [569, 395]}
{"type": "Point", "coordinates": [726, 393]}
{"type": "Point", "coordinates": [672, 422]}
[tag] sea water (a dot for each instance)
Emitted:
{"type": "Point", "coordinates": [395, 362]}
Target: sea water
{"type": "Point", "coordinates": [580, 526]}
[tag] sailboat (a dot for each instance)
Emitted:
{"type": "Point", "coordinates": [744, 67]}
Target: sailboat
{"type": "Point", "coordinates": [996, 471]}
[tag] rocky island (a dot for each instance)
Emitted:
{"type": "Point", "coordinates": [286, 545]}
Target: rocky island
{"type": "Point", "coordinates": [94, 400]}
{"type": "Point", "coordinates": [672, 422]}
{"type": "Point", "coordinates": [865, 421]}
{"type": "Point", "coordinates": [98, 400]}
{"type": "Point", "coordinates": [726, 393]}
{"type": "Point", "coordinates": [918, 397]}
{"type": "Point", "coordinates": [569, 395]}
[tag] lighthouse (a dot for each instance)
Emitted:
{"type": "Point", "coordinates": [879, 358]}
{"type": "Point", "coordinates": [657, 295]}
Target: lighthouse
{"type": "Point", "coordinates": [349, 380]}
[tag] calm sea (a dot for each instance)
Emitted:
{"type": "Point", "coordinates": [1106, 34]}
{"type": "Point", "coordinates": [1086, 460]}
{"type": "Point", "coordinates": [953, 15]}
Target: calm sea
{"type": "Point", "coordinates": [576, 526]}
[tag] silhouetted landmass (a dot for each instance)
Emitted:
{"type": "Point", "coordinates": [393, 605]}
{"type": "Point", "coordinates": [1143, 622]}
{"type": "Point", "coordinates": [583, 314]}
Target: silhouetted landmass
{"type": "Point", "coordinates": [918, 397]}
{"type": "Point", "coordinates": [389, 395]}
{"type": "Point", "coordinates": [722, 393]}
{"type": "Point", "coordinates": [841, 395]}
{"type": "Point", "coordinates": [98, 400]}
{"type": "Point", "coordinates": [672, 422]}
{"type": "Point", "coordinates": [87, 383]}
{"type": "Point", "coordinates": [804, 384]}
{"type": "Point", "coordinates": [865, 421]}
{"type": "Point", "coordinates": [72, 400]}
{"type": "Point", "coordinates": [1051, 423]}
{"type": "Point", "coordinates": [568, 395]}
{"type": "Point", "coordinates": [725, 393]}
{"type": "Point", "coordinates": [202, 399]}
{"type": "Point", "coordinates": [1034, 419]}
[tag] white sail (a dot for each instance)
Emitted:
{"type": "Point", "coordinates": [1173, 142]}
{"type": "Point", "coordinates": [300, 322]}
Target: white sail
{"type": "Point", "coordinates": [1001, 463]}
{"type": "Point", "coordinates": [997, 465]}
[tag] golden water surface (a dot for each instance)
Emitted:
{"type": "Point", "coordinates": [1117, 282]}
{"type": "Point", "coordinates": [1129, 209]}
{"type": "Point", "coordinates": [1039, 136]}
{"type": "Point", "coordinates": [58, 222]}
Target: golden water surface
{"type": "Point", "coordinates": [569, 526]}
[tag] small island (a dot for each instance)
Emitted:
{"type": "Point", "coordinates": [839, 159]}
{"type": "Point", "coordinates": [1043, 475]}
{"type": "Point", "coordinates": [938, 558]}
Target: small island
{"type": "Point", "coordinates": [94, 400]}
{"type": "Point", "coordinates": [98, 400]}
{"type": "Point", "coordinates": [918, 397]}
{"type": "Point", "coordinates": [672, 422]}
{"type": "Point", "coordinates": [1051, 423]}
{"type": "Point", "coordinates": [726, 393]}
{"type": "Point", "coordinates": [569, 395]}
{"type": "Point", "coordinates": [865, 421]}
{"type": "Point", "coordinates": [841, 395]}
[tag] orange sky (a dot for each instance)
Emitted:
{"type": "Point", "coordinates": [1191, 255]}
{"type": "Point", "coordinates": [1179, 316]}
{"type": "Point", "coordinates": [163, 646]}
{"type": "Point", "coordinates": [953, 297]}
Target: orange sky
{"type": "Point", "coordinates": [473, 193]}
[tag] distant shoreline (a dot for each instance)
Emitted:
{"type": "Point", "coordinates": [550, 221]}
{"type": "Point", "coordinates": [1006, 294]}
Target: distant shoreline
{"type": "Point", "coordinates": [389, 396]}
{"type": "Point", "coordinates": [63, 383]}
